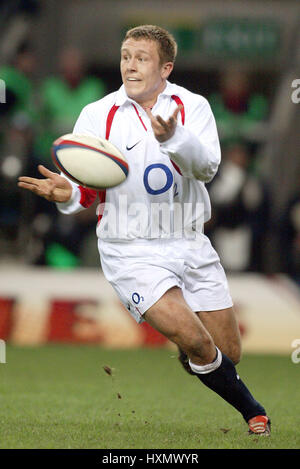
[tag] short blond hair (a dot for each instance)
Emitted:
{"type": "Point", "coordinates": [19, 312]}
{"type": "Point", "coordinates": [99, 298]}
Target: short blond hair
{"type": "Point", "coordinates": [167, 46]}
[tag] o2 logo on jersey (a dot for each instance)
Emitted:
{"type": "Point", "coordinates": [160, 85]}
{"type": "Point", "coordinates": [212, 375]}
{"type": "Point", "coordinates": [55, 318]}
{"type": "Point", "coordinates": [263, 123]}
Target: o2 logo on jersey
{"type": "Point", "coordinates": [169, 179]}
{"type": "Point", "coordinates": [136, 298]}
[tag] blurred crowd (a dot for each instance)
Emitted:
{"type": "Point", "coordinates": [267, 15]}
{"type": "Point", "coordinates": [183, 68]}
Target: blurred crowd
{"type": "Point", "coordinates": [34, 114]}
{"type": "Point", "coordinates": [32, 117]}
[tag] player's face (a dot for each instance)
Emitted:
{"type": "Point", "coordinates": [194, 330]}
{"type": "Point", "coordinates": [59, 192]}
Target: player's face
{"type": "Point", "coordinates": [143, 75]}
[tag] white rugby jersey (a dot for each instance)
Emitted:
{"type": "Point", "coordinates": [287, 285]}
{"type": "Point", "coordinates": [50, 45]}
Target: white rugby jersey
{"type": "Point", "coordinates": [164, 194]}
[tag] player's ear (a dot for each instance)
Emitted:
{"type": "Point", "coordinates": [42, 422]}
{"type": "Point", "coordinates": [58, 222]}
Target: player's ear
{"type": "Point", "coordinates": [166, 69]}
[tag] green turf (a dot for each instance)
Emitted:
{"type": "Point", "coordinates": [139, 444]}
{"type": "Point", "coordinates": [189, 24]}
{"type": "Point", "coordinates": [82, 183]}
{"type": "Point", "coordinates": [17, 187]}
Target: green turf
{"type": "Point", "coordinates": [60, 397]}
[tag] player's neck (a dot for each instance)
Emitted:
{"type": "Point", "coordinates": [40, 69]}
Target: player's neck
{"type": "Point", "coordinates": [149, 103]}
{"type": "Point", "coordinates": [147, 107]}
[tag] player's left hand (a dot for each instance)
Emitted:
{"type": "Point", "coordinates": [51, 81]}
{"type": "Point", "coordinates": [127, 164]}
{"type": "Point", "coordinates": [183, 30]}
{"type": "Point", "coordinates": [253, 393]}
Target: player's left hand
{"type": "Point", "coordinates": [163, 130]}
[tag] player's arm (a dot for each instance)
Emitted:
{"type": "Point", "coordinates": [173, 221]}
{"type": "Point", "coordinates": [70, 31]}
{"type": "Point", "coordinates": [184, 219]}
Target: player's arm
{"type": "Point", "coordinates": [68, 196]}
{"type": "Point", "coordinates": [56, 188]}
{"type": "Point", "coordinates": [194, 147]}
{"type": "Point", "coordinates": [52, 187]}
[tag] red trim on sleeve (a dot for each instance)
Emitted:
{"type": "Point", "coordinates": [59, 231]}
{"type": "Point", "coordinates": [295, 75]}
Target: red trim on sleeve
{"type": "Point", "coordinates": [88, 196]}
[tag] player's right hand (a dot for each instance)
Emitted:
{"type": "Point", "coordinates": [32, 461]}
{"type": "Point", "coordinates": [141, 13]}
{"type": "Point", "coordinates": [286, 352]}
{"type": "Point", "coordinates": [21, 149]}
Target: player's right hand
{"type": "Point", "coordinates": [53, 187]}
{"type": "Point", "coordinates": [163, 130]}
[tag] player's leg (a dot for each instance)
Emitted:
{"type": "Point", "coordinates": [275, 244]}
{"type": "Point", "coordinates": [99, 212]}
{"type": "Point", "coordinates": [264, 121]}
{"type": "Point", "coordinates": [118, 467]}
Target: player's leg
{"type": "Point", "coordinates": [171, 316]}
{"type": "Point", "coordinates": [206, 291]}
{"type": "Point", "coordinates": [148, 290]}
{"type": "Point", "coordinates": [223, 327]}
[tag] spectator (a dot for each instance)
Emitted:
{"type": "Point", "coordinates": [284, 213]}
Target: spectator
{"type": "Point", "coordinates": [18, 117]}
{"type": "Point", "coordinates": [241, 210]}
{"type": "Point", "coordinates": [237, 110]}
{"type": "Point", "coordinates": [18, 78]}
{"type": "Point", "coordinates": [63, 96]}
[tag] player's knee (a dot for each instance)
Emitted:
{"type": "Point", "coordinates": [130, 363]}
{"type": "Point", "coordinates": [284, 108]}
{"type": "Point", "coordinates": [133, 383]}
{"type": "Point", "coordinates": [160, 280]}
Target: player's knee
{"type": "Point", "coordinates": [236, 358]}
{"type": "Point", "coordinates": [235, 354]}
{"type": "Point", "coordinates": [196, 345]}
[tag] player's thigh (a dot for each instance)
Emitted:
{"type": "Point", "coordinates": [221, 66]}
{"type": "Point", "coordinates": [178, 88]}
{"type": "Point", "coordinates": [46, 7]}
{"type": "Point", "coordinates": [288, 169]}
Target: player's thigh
{"type": "Point", "coordinates": [223, 327]}
{"type": "Point", "coordinates": [172, 316]}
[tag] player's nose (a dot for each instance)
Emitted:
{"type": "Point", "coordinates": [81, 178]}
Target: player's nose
{"type": "Point", "coordinates": [131, 64]}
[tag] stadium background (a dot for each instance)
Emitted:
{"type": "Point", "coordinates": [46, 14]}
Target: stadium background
{"type": "Point", "coordinates": [243, 56]}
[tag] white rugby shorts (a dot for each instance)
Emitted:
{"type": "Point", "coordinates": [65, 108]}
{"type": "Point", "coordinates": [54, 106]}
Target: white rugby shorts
{"type": "Point", "coordinates": [142, 272]}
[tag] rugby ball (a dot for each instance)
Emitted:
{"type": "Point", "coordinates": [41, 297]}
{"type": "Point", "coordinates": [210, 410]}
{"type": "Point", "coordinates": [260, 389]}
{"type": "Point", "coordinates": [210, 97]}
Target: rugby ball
{"type": "Point", "coordinates": [92, 162]}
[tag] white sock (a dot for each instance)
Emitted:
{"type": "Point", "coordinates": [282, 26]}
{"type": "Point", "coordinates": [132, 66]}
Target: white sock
{"type": "Point", "coordinates": [204, 369]}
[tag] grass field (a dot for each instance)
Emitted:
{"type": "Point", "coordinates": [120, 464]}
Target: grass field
{"type": "Point", "coordinates": [61, 397]}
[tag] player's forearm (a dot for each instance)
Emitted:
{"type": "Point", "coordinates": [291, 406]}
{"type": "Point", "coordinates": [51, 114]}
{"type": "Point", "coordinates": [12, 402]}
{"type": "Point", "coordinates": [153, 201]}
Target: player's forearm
{"type": "Point", "coordinates": [194, 158]}
{"type": "Point", "coordinates": [80, 199]}
{"type": "Point", "coordinates": [73, 204]}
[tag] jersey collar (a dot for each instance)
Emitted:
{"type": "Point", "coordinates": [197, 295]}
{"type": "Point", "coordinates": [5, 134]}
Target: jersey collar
{"type": "Point", "coordinates": [122, 98]}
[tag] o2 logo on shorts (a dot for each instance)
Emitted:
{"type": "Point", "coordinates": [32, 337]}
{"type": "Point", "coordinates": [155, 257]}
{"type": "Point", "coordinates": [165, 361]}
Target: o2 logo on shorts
{"type": "Point", "coordinates": [136, 298]}
{"type": "Point", "coordinates": [169, 180]}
